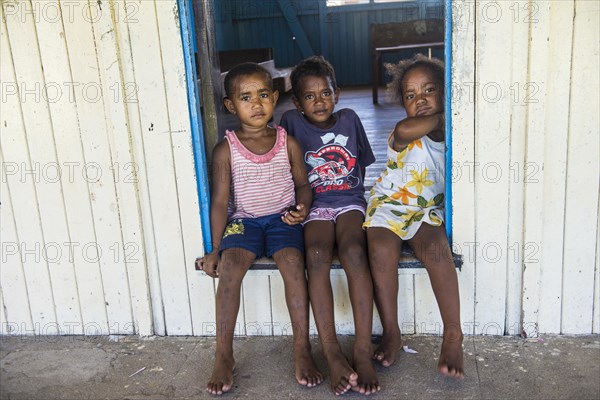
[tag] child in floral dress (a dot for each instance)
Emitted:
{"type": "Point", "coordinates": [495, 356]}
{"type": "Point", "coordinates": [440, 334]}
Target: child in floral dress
{"type": "Point", "coordinates": [407, 204]}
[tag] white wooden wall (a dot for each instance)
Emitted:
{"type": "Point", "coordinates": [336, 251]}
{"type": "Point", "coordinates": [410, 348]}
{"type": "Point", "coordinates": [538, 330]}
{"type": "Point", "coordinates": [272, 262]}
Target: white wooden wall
{"type": "Point", "coordinates": [99, 209]}
{"type": "Point", "coordinates": [96, 157]}
{"type": "Point", "coordinates": [526, 151]}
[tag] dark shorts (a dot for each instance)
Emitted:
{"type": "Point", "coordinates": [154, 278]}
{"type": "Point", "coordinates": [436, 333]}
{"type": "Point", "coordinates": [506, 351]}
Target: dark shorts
{"type": "Point", "coordinates": [263, 236]}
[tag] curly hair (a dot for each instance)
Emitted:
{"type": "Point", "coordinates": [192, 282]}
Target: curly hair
{"type": "Point", "coordinates": [312, 66]}
{"type": "Point", "coordinates": [244, 69]}
{"type": "Point", "coordinates": [399, 71]}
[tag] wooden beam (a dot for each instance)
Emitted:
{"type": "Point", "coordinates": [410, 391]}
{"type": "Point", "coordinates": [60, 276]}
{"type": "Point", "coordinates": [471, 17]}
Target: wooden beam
{"type": "Point", "coordinates": [324, 34]}
{"type": "Point", "coordinates": [210, 76]}
{"type": "Point", "coordinates": [289, 14]}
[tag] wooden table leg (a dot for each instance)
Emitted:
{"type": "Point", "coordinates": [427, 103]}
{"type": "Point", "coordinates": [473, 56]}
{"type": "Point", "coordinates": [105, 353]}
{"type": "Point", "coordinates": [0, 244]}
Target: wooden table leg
{"type": "Point", "coordinates": [375, 76]}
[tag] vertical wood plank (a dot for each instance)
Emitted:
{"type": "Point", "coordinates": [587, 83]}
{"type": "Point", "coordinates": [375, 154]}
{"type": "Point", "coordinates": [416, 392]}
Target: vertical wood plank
{"type": "Point", "coordinates": [492, 154]}
{"type": "Point", "coordinates": [94, 124]}
{"type": "Point", "coordinates": [126, 14]}
{"type": "Point", "coordinates": [596, 316]}
{"type": "Point", "coordinates": [160, 168]}
{"type": "Point", "coordinates": [516, 167]}
{"type": "Point", "coordinates": [583, 154]}
{"type": "Point", "coordinates": [202, 306]}
{"type": "Point", "coordinates": [42, 150]}
{"type": "Point", "coordinates": [534, 157]}
{"type": "Point", "coordinates": [208, 73]}
{"type": "Point", "coordinates": [257, 305]}
{"type": "Point", "coordinates": [463, 145]}
{"type": "Point", "coordinates": [21, 186]}
{"type": "Point", "coordinates": [16, 302]}
{"type": "Point", "coordinates": [70, 161]}
{"type": "Point", "coordinates": [550, 252]}
{"type": "Point", "coordinates": [108, 38]}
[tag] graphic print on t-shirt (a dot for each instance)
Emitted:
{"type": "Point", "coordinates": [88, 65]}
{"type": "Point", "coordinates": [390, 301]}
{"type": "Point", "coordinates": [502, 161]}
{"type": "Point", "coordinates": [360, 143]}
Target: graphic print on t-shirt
{"type": "Point", "coordinates": [331, 165]}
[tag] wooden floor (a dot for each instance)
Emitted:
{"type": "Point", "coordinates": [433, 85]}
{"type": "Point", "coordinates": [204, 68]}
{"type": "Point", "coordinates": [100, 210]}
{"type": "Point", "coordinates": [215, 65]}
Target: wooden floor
{"type": "Point", "coordinates": [378, 121]}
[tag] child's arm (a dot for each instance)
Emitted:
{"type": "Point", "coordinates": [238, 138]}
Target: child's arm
{"type": "Point", "coordinates": [221, 181]}
{"type": "Point", "coordinates": [365, 152]}
{"type": "Point", "coordinates": [302, 187]}
{"type": "Point", "coordinates": [413, 128]}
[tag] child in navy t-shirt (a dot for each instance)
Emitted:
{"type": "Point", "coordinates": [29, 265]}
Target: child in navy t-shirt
{"type": "Point", "coordinates": [336, 152]}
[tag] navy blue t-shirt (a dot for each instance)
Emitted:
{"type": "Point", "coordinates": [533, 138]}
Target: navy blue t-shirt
{"type": "Point", "coordinates": [333, 157]}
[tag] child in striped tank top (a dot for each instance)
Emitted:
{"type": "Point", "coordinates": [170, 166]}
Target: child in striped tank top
{"type": "Point", "coordinates": [260, 195]}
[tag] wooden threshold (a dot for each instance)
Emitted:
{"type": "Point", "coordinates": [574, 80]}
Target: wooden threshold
{"type": "Point", "coordinates": [407, 261]}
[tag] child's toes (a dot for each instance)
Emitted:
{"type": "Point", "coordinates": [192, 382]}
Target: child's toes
{"type": "Point", "coordinates": [378, 355]}
{"type": "Point", "coordinates": [375, 387]}
{"type": "Point", "coordinates": [342, 387]}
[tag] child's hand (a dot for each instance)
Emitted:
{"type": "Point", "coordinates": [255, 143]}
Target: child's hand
{"type": "Point", "coordinates": [296, 216]}
{"type": "Point", "coordinates": [210, 264]}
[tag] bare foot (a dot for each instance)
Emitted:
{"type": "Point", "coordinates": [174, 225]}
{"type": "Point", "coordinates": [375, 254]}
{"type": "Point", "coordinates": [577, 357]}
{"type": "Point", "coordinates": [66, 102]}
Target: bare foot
{"type": "Point", "coordinates": [342, 376]}
{"type": "Point", "coordinates": [367, 377]}
{"type": "Point", "coordinates": [221, 380]}
{"type": "Point", "coordinates": [451, 361]}
{"type": "Point", "coordinates": [307, 373]}
{"type": "Point", "coordinates": [388, 349]}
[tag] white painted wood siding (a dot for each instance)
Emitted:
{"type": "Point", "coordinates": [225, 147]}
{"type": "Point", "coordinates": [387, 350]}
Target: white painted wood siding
{"type": "Point", "coordinates": [534, 151]}
{"type": "Point", "coordinates": [100, 220]}
{"type": "Point", "coordinates": [99, 216]}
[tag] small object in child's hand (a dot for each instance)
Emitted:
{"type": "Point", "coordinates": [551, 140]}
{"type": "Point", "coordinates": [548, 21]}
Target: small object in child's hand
{"type": "Point", "coordinates": [292, 208]}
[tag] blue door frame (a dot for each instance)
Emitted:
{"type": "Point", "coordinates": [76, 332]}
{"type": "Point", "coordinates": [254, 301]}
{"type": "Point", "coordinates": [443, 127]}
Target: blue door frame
{"type": "Point", "coordinates": [188, 38]}
{"type": "Point", "coordinates": [448, 112]}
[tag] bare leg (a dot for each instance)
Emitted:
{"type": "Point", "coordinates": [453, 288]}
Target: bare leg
{"type": "Point", "coordinates": [431, 247]}
{"type": "Point", "coordinates": [352, 245]}
{"type": "Point", "coordinates": [384, 253]}
{"type": "Point", "coordinates": [291, 265]}
{"type": "Point", "coordinates": [232, 268]}
{"type": "Point", "coordinates": [319, 239]}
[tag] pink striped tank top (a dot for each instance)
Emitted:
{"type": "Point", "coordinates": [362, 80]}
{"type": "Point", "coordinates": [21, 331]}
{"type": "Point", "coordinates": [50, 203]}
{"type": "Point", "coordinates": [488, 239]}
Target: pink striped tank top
{"type": "Point", "coordinates": [261, 184]}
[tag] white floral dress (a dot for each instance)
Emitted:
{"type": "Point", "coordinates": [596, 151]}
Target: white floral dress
{"type": "Point", "coordinates": [410, 190]}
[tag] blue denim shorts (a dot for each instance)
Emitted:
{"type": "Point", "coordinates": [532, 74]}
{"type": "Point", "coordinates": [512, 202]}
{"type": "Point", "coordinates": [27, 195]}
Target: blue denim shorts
{"type": "Point", "coordinates": [263, 236]}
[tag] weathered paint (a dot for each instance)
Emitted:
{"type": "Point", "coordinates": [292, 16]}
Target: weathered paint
{"type": "Point", "coordinates": [463, 153]}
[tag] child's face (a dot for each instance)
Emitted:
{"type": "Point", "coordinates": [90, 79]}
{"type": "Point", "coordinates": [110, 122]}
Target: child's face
{"type": "Point", "coordinates": [317, 99]}
{"type": "Point", "coordinates": [421, 93]}
{"type": "Point", "coordinates": [253, 100]}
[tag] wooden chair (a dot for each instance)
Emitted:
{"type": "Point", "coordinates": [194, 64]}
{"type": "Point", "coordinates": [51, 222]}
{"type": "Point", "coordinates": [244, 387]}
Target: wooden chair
{"type": "Point", "coordinates": [394, 37]}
